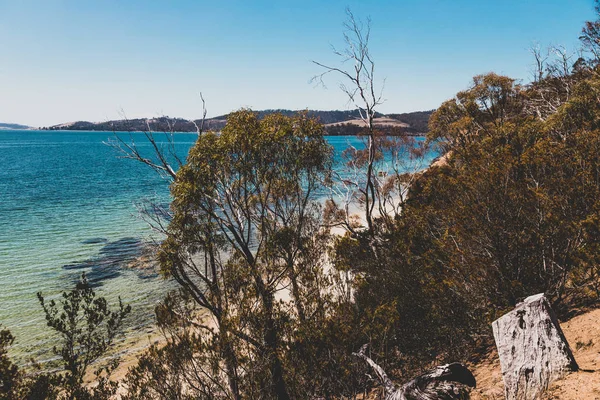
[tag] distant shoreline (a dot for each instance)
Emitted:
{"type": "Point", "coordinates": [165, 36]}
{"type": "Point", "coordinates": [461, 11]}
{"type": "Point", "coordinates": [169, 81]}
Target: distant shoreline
{"type": "Point", "coordinates": [417, 134]}
{"type": "Point", "coordinates": [335, 122]}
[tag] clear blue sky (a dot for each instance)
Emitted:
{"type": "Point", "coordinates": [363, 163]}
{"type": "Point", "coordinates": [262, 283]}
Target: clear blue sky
{"type": "Point", "coordinates": [66, 60]}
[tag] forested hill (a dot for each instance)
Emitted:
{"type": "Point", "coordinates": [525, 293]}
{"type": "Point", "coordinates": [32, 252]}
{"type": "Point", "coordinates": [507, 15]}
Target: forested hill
{"type": "Point", "coordinates": [417, 120]}
{"type": "Point", "coordinates": [4, 125]}
{"type": "Point", "coordinates": [336, 122]}
{"type": "Point", "coordinates": [326, 117]}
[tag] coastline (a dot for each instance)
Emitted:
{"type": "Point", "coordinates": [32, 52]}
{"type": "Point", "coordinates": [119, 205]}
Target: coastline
{"type": "Point", "coordinates": [41, 130]}
{"type": "Point", "coordinates": [100, 218]}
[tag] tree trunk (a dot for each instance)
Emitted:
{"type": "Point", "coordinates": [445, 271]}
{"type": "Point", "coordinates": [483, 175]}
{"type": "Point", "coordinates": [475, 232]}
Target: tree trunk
{"type": "Point", "coordinates": [271, 341]}
{"type": "Point", "coordinates": [532, 348]}
{"type": "Point", "coordinates": [279, 386]}
{"type": "Point", "coordinates": [296, 293]}
{"type": "Point", "coordinates": [231, 366]}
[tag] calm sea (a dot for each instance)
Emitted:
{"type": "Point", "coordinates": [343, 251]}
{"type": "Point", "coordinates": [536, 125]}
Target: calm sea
{"type": "Point", "coordinates": [69, 204]}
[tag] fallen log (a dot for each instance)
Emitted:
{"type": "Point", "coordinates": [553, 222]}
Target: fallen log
{"type": "Point", "coordinates": [532, 348]}
{"type": "Point", "coordinates": [446, 382]}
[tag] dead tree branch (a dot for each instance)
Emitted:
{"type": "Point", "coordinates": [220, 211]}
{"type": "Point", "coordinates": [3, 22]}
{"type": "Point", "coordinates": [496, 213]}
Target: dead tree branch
{"type": "Point", "coordinates": [361, 93]}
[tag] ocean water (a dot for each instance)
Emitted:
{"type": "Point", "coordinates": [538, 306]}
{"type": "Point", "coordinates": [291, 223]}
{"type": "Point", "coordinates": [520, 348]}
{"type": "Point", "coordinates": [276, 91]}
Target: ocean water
{"type": "Point", "coordinates": [69, 204]}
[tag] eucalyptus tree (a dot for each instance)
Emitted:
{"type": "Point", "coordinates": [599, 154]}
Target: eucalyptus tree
{"type": "Point", "coordinates": [244, 222]}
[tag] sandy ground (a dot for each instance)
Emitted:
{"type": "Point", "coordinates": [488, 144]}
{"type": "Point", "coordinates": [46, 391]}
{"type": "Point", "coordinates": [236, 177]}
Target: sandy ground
{"type": "Point", "coordinates": [583, 334]}
{"type": "Point", "coordinates": [442, 161]}
{"type": "Point", "coordinates": [128, 353]}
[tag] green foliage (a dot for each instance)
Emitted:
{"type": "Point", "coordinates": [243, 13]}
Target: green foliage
{"type": "Point", "coordinates": [184, 368]}
{"type": "Point", "coordinates": [509, 208]}
{"type": "Point", "coordinates": [590, 36]}
{"type": "Point", "coordinates": [9, 372]}
{"type": "Point", "coordinates": [488, 107]}
{"type": "Point", "coordinates": [512, 212]}
{"type": "Point", "coordinates": [87, 328]}
{"type": "Point", "coordinates": [246, 230]}
{"type": "Point", "coordinates": [407, 307]}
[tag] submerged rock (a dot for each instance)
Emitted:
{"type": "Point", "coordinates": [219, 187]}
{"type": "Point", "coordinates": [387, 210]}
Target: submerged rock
{"type": "Point", "coordinates": [112, 259]}
{"type": "Point", "coordinates": [94, 241]}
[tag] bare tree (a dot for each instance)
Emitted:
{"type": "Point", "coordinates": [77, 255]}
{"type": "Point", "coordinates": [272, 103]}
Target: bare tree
{"type": "Point", "coordinates": [165, 155]}
{"type": "Point", "coordinates": [553, 80]}
{"type": "Point", "coordinates": [162, 158]}
{"type": "Point", "coordinates": [590, 36]}
{"type": "Point", "coordinates": [360, 87]}
{"type": "Point", "coordinates": [376, 176]}
{"type": "Point", "coordinates": [540, 58]}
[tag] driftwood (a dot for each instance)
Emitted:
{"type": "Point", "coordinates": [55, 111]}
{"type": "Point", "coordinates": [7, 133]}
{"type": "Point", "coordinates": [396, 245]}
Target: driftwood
{"type": "Point", "coordinates": [532, 348]}
{"type": "Point", "coordinates": [446, 382]}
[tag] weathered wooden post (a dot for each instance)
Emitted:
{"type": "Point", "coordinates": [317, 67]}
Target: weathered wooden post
{"type": "Point", "coordinates": [532, 348]}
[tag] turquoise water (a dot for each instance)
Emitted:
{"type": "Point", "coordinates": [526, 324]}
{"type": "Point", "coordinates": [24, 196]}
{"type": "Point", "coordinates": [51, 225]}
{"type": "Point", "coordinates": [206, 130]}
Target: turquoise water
{"type": "Point", "coordinates": [69, 204]}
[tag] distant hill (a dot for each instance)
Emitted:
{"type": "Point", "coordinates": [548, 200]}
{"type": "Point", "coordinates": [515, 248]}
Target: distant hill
{"type": "Point", "coordinates": [4, 125]}
{"type": "Point", "coordinates": [417, 120]}
{"type": "Point", "coordinates": [326, 117]}
{"type": "Point", "coordinates": [138, 124]}
{"type": "Point", "coordinates": [336, 123]}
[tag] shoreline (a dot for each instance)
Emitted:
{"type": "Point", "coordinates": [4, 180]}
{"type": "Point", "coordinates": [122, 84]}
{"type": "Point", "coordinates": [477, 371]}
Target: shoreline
{"type": "Point", "coordinates": [416, 135]}
{"type": "Point", "coordinates": [142, 332]}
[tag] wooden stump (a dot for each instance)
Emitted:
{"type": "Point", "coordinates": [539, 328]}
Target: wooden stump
{"type": "Point", "coordinates": [532, 348]}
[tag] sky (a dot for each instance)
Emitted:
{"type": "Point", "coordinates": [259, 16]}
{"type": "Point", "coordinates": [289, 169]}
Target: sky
{"type": "Point", "coordinates": [97, 60]}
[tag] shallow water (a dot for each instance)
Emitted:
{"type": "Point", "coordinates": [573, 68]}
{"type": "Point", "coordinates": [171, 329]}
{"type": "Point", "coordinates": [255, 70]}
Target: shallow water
{"type": "Point", "coordinates": [69, 204]}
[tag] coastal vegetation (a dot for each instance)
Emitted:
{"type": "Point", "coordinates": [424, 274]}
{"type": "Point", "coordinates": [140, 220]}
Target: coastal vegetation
{"type": "Point", "coordinates": [86, 327]}
{"type": "Point", "coordinates": [277, 289]}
